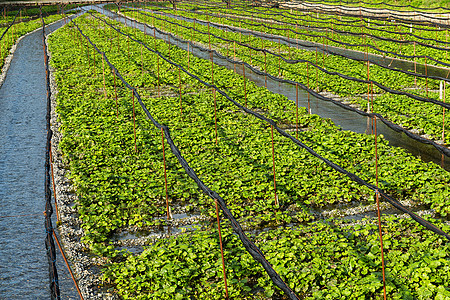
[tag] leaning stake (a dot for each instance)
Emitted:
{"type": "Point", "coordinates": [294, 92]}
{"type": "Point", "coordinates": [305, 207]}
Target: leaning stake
{"type": "Point", "coordinates": [378, 208]}
{"type": "Point", "coordinates": [221, 251]}
{"type": "Point", "coordinates": [165, 174]}
{"type": "Point", "coordinates": [134, 123]}
{"type": "Point", "coordinates": [273, 160]}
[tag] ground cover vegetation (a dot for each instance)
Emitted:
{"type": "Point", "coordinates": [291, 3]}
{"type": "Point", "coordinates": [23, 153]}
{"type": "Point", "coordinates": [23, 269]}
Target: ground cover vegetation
{"type": "Point", "coordinates": [334, 30]}
{"type": "Point", "coordinates": [401, 5]}
{"type": "Point", "coordinates": [121, 186]}
{"type": "Point", "coordinates": [28, 22]}
{"type": "Point", "coordinates": [422, 117]}
{"type": "Point", "coordinates": [27, 13]}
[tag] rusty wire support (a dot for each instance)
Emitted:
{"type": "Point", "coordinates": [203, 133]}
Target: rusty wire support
{"type": "Point", "coordinates": [128, 43]}
{"type": "Point", "coordinates": [134, 122]}
{"type": "Point", "coordinates": [104, 80]}
{"type": "Point", "coordinates": [265, 69]}
{"type": "Point", "coordinates": [58, 219]}
{"type": "Point", "coordinates": [221, 251]}
{"type": "Point", "coordinates": [426, 75]}
{"type": "Point", "coordinates": [214, 95]}
{"type": "Point", "coordinates": [159, 89]}
{"type": "Point", "coordinates": [115, 94]}
{"type": "Point", "coordinates": [234, 55]}
{"type": "Point", "coordinates": [296, 110]}
{"type": "Point", "coordinates": [307, 85]}
{"type": "Point", "coordinates": [368, 79]}
{"type": "Point", "coordinates": [443, 113]}
{"type": "Point", "coordinates": [88, 54]}
{"type": "Point", "coordinates": [165, 175]}
{"type": "Point", "coordinates": [142, 62]}
{"type": "Point", "coordinates": [68, 266]}
{"type": "Point", "coordinates": [189, 57]}
{"type": "Point", "coordinates": [289, 43]}
{"type": "Point", "coordinates": [245, 85]}
{"type": "Point", "coordinates": [279, 56]}
{"type": "Point", "coordinates": [274, 173]}
{"type": "Point", "coordinates": [180, 92]}
{"type": "Point", "coordinates": [118, 44]}
{"type": "Point", "coordinates": [317, 75]}
{"type": "Point", "coordinates": [415, 65]}
{"type": "Point", "coordinates": [378, 207]}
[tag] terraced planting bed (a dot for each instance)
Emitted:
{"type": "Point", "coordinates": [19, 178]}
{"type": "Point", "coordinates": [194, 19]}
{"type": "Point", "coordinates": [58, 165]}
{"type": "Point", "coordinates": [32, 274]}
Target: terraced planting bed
{"type": "Point", "coordinates": [17, 23]}
{"type": "Point", "coordinates": [406, 91]}
{"type": "Point", "coordinates": [143, 210]}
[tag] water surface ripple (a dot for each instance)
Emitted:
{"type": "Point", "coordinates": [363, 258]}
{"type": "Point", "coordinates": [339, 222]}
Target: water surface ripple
{"type": "Point", "coordinates": [23, 260]}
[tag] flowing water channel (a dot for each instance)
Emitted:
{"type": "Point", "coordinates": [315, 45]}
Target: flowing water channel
{"type": "Point", "coordinates": [345, 119]}
{"type": "Point", "coordinates": [24, 270]}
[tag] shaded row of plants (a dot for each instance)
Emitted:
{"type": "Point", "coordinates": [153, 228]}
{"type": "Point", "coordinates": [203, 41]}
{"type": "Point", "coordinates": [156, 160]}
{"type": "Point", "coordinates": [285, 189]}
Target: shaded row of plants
{"type": "Point", "coordinates": [20, 29]}
{"type": "Point", "coordinates": [424, 118]}
{"type": "Point", "coordinates": [119, 188]}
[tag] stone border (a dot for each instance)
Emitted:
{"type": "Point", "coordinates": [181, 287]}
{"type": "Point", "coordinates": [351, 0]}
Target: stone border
{"type": "Point", "coordinates": [86, 268]}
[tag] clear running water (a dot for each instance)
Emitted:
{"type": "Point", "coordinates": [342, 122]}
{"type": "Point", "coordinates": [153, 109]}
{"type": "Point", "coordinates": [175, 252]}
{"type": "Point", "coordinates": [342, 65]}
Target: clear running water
{"type": "Point", "coordinates": [23, 260]}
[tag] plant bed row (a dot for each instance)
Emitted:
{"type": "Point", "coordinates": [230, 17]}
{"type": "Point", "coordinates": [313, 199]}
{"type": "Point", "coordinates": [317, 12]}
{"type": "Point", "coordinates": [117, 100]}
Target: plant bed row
{"type": "Point", "coordinates": [345, 32]}
{"type": "Point", "coordinates": [18, 30]}
{"type": "Point", "coordinates": [421, 117]}
{"type": "Point", "coordinates": [119, 187]}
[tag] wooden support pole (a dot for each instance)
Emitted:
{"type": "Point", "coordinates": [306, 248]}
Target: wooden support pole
{"type": "Point", "coordinates": [274, 176]}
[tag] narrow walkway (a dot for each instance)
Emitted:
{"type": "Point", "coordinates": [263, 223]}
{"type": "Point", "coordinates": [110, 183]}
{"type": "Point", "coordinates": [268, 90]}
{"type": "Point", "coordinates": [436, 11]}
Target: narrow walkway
{"type": "Point", "coordinates": [23, 260]}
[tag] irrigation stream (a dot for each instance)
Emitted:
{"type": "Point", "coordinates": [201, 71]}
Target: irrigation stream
{"type": "Point", "coordinates": [346, 119]}
{"type": "Point", "coordinates": [23, 260]}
